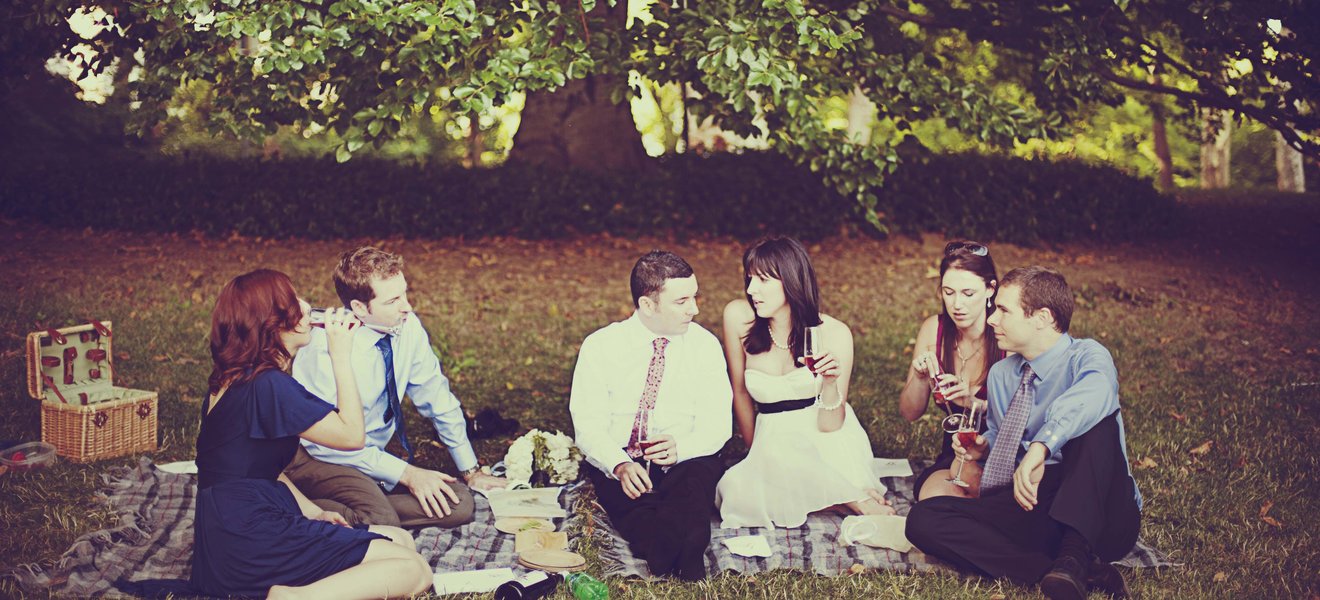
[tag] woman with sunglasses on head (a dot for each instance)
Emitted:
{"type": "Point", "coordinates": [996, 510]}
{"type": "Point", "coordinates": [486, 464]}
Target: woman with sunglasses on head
{"type": "Point", "coordinates": [255, 533]}
{"type": "Point", "coordinates": [807, 451]}
{"type": "Point", "coordinates": [958, 346]}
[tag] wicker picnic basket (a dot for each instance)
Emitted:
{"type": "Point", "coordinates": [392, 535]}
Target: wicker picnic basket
{"type": "Point", "coordinates": [83, 414]}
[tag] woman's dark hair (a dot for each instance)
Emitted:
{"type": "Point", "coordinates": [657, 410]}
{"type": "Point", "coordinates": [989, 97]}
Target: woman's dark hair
{"type": "Point", "coordinates": [975, 259]}
{"type": "Point", "coordinates": [251, 312]}
{"type": "Point", "coordinates": [786, 260]}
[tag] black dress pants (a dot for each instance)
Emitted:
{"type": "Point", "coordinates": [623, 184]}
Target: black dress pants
{"type": "Point", "coordinates": [1089, 490]}
{"type": "Point", "coordinates": [669, 528]}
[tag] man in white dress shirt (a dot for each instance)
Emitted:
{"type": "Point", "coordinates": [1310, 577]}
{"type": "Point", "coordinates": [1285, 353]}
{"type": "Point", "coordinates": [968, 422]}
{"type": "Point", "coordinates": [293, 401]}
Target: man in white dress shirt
{"type": "Point", "coordinates": [392, 357]}
{"type": "Point", "coordinates": [654, 389]}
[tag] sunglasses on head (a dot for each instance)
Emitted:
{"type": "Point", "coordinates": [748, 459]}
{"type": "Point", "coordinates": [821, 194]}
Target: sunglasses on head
{"type": "Point", "coordinates": [971, 247]}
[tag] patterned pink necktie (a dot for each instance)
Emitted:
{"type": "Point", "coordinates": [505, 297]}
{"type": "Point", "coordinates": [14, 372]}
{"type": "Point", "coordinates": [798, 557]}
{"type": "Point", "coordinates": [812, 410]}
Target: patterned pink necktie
{"type": "Point", "coordinates": [1003, 457]}
{"type": "Point", "coordinates": [647, 403]}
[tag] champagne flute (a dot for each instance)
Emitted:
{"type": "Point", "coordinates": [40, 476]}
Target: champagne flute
{"type": "Point", "coordinates": [811, 347]}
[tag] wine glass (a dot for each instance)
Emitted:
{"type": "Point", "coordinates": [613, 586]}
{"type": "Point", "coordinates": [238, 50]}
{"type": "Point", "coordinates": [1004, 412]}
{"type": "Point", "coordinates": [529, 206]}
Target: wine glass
{"type": "Point", "coordinates": [645, 443]}
{"type": "Point", "coordinates": [811, 347]}
{"type": "Point", "coordinates": [953, 421]}
{"type": "Point", "coordinates": [967, 438]}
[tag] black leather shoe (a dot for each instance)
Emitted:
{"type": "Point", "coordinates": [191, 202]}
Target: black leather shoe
{"type": "Point", "coordinates": [1066, 581]}
{"type": "Point", "coordinates": [1106, 578]}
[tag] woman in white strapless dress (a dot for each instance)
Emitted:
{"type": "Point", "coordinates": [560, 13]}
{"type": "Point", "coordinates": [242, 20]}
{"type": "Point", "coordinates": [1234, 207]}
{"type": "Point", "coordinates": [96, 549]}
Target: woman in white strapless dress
{"type": "Point", "coordinates": [807, 451]}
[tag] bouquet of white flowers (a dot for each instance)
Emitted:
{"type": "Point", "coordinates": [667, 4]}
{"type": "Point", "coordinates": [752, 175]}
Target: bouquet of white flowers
{"type": "Point", "coordinates": [550, 455]}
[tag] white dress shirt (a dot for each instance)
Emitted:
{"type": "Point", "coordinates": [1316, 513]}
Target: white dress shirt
{"type": "Point", "coordinates": [417, 375]}
{"type": "Point", "coordinates": [694, 403]}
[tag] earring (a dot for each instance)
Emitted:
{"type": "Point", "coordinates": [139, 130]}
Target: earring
{"type": "Point", "coordinates": [989, 304]}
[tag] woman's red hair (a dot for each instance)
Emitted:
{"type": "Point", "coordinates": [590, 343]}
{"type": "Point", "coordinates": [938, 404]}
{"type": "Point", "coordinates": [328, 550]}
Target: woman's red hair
{"type": "Point", "coordinates": [252, 311]}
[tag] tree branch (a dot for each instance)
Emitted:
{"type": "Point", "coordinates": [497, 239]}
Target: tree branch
{"type": "Point", "coordinates": [1281, 123]}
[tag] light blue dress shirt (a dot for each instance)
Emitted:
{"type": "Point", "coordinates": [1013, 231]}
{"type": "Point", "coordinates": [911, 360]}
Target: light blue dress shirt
{"type": "Point", "coordinates": [418, 376]}
{"type": "Point", "coordinates": [1076, 388]}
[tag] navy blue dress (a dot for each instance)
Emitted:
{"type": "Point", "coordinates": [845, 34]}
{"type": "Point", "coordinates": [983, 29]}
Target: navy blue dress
{"type": "Point", "coordinates": [250, 533]}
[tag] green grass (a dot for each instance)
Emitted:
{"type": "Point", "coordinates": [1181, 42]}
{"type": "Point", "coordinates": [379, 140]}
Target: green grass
{"type": "Point", "coordinates": [1213, 344]}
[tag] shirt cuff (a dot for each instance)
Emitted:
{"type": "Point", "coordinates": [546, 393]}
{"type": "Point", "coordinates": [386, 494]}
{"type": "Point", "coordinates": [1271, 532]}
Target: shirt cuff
{"type": "Point", "coordinates": [464, 457]}
{"type": "Point", "coordinates": [390, 470]}
{"type": "Point", "coordinates": [611, 461]}
{"type": "Point", "coordinates": [1048, 435]}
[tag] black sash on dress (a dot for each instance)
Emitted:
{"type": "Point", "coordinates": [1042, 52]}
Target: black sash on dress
{"type": "Point", "coordinates": [770, 408]}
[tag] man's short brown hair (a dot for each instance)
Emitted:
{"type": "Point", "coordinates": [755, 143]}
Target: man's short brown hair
{"type": "Point", "coordinates": [358, 267]}
{"type": "Point", "coordinates": [1043, 288]}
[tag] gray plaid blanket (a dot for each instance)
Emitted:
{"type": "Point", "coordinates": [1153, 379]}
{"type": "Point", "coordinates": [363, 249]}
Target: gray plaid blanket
{"type": "Point", "coordinates": [154, 538]}
{"type": "Point", "coordinates": [813, 547]}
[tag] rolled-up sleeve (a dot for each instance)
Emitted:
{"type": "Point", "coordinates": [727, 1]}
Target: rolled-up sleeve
{"type": "Point", "coordinates": [589, 406]}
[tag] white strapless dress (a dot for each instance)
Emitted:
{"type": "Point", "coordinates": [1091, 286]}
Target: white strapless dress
{"type": "Point", "coordinates": [793, 468]}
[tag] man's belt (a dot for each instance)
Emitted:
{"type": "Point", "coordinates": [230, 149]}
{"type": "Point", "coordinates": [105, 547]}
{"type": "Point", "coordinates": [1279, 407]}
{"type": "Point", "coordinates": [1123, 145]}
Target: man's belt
{"type": "Point", "coordinates": [770, 408]}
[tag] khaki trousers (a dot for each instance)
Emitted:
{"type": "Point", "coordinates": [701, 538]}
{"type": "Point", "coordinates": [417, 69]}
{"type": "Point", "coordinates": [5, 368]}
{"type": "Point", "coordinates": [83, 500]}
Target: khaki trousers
{"type": "Point", "coordinates": [360, 499]}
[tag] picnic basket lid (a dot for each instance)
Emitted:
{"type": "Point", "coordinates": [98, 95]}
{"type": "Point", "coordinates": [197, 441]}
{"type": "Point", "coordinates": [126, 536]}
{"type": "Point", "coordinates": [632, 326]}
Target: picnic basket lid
{"type": "Point", "coordinates": [93, 335]}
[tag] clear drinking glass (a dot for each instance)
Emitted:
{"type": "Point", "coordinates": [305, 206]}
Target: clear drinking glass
{"type": "Point", "coordinates": [811, 347]}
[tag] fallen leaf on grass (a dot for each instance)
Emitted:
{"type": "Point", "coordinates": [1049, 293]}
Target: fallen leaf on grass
{"type": "Point", "coordinates": [1165, 340]}
{"type": "Point", "coordinates": [1177, 417]}
{"type": "Point", "coordinates": [997, 596]}
{"type": "Point", "coordinates": [1265, 508]}
{"type": "Point", "coordinates": [1146, 463]}
{"type": "Point", "coordinates": [1272, 521]}
{"type": "Point", "coordinates": [856, 569]}
{"type": "Point", "coordinates": [1221, 577]}
{"type": "Point", "coordinates": [1202, 449]}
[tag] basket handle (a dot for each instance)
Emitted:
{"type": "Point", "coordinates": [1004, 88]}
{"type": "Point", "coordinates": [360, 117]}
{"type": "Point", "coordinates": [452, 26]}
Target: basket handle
{"type": "Point", "coordinates": [99, 327]}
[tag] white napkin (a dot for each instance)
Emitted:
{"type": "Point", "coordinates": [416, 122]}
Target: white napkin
{"type": "Point", "coordinates": [880, 531]}
{"type": "Point", "coordinates": [749, 545]}
{"type": "Point", "coordinates": [465, 582]}
{"type": "Point", "coordinates": [182, 467]}
{"type": "Point", "coordinates": [891, 467]}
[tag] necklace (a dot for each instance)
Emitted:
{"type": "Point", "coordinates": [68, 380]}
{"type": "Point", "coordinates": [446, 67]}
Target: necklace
{"type": "Point", "coordinates": [962, 367]}
{"type": "Point", "coordinates": [774, 341]}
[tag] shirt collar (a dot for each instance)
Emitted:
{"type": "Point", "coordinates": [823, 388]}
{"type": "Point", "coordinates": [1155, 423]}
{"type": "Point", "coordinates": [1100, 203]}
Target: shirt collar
{"type": "Point", "coordinates": [638, 330]}
{"type": "Point", "coordinates": [1049, 360]}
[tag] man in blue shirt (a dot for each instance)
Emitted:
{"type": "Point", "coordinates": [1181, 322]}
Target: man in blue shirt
{"type": "Point", "coordinates": [391, 358]}
{"type": "Point", "coordinates": [1057, 500]}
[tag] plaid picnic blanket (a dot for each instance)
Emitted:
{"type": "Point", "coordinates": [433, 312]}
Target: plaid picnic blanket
{"type": "Point", "coordinates": [813, 547]}
{"type": "Point", "coordinates": [154, 538]}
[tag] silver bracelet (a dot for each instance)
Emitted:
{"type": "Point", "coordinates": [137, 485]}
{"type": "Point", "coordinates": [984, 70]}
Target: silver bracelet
{"type": "Point", "coordinates": [838, 391]}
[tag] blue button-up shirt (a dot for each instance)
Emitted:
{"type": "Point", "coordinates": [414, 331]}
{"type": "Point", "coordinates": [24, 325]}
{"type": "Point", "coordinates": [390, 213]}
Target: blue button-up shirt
{"type": "Point", "coordinates": [418, 376]}
{"type": "Point", "coordinates": [1076, 387]}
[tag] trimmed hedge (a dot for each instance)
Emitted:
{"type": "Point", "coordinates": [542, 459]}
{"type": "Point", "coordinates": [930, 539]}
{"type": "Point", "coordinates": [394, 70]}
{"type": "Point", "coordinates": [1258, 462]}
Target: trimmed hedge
{"type": "Point", "coordinates": [744, 196]}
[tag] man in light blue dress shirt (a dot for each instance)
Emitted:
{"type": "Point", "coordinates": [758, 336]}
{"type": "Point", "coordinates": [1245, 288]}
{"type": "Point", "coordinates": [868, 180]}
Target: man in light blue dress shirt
{"type": "Point", "coordinates": [1058, 499]}
{"type": "Point", "coordinates": [371, 485]}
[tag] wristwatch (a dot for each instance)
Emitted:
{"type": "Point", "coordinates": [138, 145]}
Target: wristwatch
{"type": "Point", "coordinates": [467, 474]}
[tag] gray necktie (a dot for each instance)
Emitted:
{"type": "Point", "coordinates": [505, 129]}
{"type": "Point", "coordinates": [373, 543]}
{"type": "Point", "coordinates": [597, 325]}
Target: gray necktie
{"type": "Point", "coordinates": [1003, 457]}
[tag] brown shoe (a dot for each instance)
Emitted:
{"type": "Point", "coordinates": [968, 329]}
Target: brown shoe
{"type": "Point", "coordinates": [1104, 577]}
{"type": "Point", "coordinates": [1066, 581]}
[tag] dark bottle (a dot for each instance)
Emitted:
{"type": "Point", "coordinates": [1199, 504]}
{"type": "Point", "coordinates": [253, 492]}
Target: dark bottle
{"type": "Point", "coordinates": [537, 584]}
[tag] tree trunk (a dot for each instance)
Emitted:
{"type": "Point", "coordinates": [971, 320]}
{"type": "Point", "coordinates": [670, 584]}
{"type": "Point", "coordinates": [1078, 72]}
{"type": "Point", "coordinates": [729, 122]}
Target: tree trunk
{"type": "Point", "coordinates": [1215, 154]}
{"type": "Point", "coordinates": [474, 143]}
{"type": "Point", "coordinates": [861, 112]}
{"type": "Point", "coordinates": [1163, 157]}
{"type": "Point", "coordinates": [1160, 138]}
{"type": "Point", "coordinates": [1288, 162]}
{"type": "Point", "coordinates": [577, 126]}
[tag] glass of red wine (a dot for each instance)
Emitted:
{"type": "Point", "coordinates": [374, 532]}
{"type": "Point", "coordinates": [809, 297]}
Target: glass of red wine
{"type": "Point", "coordinates": [646, 444]}
{"type": "Point", "coordinates": [967, 439]}
{"type": "Point", "coordinates": [811, 347]}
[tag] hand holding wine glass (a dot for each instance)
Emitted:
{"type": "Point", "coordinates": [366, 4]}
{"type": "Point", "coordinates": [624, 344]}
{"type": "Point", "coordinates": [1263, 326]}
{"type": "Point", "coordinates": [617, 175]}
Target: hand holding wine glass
{"type": "Point", "coordinates": [819, 361]}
